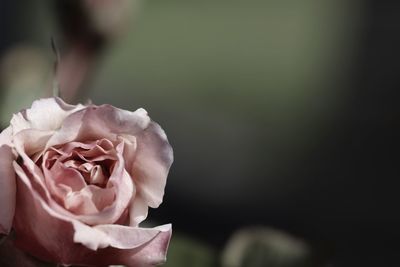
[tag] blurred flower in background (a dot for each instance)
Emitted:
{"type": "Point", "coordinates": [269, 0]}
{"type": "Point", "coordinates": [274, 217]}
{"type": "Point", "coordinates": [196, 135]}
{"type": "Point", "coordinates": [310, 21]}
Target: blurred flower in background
{"type": "Point", "coordinates": [87, 27]}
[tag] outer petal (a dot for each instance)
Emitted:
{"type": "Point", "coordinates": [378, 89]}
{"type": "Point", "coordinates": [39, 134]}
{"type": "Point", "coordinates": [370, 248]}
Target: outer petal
{"type": "Point", "coordinates": [31, 141]}
{"type": "Point", "coordinates": [98, 122]}
{"type": "Point", "coordinates": [150, 254]}
{"type": "Point", "coordinates": [154, 157]}
{"type": "Point", "coordinates": [7, 182]}
{"type": "Point", "coordinates": [116, 236]}
{"type": "Point", "coordinates": [59, 238]}
{"type": "Point", "coordinates": [45, 114]}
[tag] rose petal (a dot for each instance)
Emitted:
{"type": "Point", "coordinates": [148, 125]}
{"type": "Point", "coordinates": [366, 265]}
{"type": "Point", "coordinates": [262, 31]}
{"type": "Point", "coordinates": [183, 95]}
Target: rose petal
{"type": "Point", "coordinates": [89, 149]}
{"type": "Point", "coordinates": [138, 211]}
{"type": "Point", "coordinates": [101, 197]}
{"type": "Point", "coordinates": [100, 122]}
{"type": "Point", "coordinates": [7, 182]}
{"type": "Point", "coordinates": [129, 150]}
{"type": "Point", "coordinates": [32, 141]}
{"type": "Point", "coordinates": [154, 157]}
{"type": "Point", "coordinates": [129, 249]}
{"type": "Point", "coordinates": [87, 152]}
{"type": "Point", "coordinates": [80, 202]}
{"type": "Point", "coordinates": [45, 114]}
{"type": "Point", "coordinates": [151, 254]}
{"type": "Point", "coordinates": [18, 122]}
{"type": "Point", "coordinates": [118, 236]}
{"type": "Point", "coordinates": [58, 187]}
{"type": "Point", "coordinates": [105, 120]}
{"type": "Point", "coordinates": [89, 200]}
{"type": "Point", "coordinates": [97, 175]}
{"type": "Point", "coordinates": [61, 174]}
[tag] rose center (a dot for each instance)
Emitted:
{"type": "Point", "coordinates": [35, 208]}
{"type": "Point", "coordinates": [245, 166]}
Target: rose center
{"type": "Point", "coordinates": [77, 175]}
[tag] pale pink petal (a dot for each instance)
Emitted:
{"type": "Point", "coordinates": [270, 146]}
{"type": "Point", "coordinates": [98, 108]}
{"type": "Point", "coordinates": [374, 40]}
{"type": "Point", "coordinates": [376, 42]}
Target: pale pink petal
{"type": "Point", "coordinates": [48, 114]}
{"type": "Point", "coordinates": [88, 152]}
{"type": "Point", "coordinates": [117, 236]}
{"type": "Point", "coordinates": [91, 148]}
{"type": "Point", "coordinates": [107, 121]}
{"type": "Point", "coordinates": [7, 182]}
{"type": "Point", "coordinates": [45, 114]}
{"type": "Point", "coordinates": [77, 165]}
{"type": "Point", "coordinates": [97, 175]}
{"type": "Point", "coordinates": [154, 157]}
{"type": "Point", "coordinates": [32, 141]}
{"type": "Point", "coordinates": [100, 122]}
{"type": "Point", "coordinates": [61, 174]}
{"type": "Point", "coordinates": [151, 254]}
{"type": "Point", "coordinates": [129, 251]}
{"type": "Point", "coordinates": [101, 197]}
{"type": "Point", "coordinates": [73, 146]}
{"type": "Point", "coordinates": [110, 156]}
{"type": "Point", "coordinates": [19, 123]}
{"type": "Point", "coordinates": [138, 210]}
{"type": "Point", "coordinates": [125, 237]}
{"type": "Point", "coordinates": [69, 188]}
{"type": "Point", "coordinates": [89, 200]}
{"type": "Point", "coordinates": [102, 147]}
{"type": "Point", "coordinates": [129, 150]}
{"type": "Point", "coordinates": [80, 202]}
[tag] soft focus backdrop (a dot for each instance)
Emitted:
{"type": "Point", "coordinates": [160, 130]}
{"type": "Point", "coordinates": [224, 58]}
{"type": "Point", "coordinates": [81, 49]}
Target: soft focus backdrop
{"type": "Point", "coordinates": [282, 115]}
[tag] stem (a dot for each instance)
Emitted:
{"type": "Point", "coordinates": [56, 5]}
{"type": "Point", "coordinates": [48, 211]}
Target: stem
{"type": "Point", "coordinates": [56, 85]}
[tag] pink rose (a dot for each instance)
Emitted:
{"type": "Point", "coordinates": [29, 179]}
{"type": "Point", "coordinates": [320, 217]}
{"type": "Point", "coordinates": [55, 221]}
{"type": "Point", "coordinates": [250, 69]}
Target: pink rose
{"type": "Point", "coordinates": [76, 181]}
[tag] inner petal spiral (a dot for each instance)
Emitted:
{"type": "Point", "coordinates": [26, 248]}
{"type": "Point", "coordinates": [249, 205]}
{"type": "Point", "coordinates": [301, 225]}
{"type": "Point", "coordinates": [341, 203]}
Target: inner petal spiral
{"type": "Point", "coordinates": [77, 175]}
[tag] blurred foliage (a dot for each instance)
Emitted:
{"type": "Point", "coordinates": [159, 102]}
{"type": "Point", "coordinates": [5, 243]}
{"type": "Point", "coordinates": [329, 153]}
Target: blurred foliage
{"type": "Point", "coordinates": [184, 251]}
{"type": "Point", "coordinates": [261, 246]}
{"type": "Point", "coordinates": [248, 247]}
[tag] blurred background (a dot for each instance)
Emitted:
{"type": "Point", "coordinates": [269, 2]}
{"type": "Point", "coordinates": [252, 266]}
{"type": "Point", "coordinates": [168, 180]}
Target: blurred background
{"type": "Point", "coordinates": [282, 115]}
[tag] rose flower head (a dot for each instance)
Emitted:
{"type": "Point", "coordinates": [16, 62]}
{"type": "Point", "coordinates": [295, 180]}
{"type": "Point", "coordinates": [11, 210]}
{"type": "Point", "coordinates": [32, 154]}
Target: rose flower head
{"type": "Point", "coordinates": [76, 182]}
